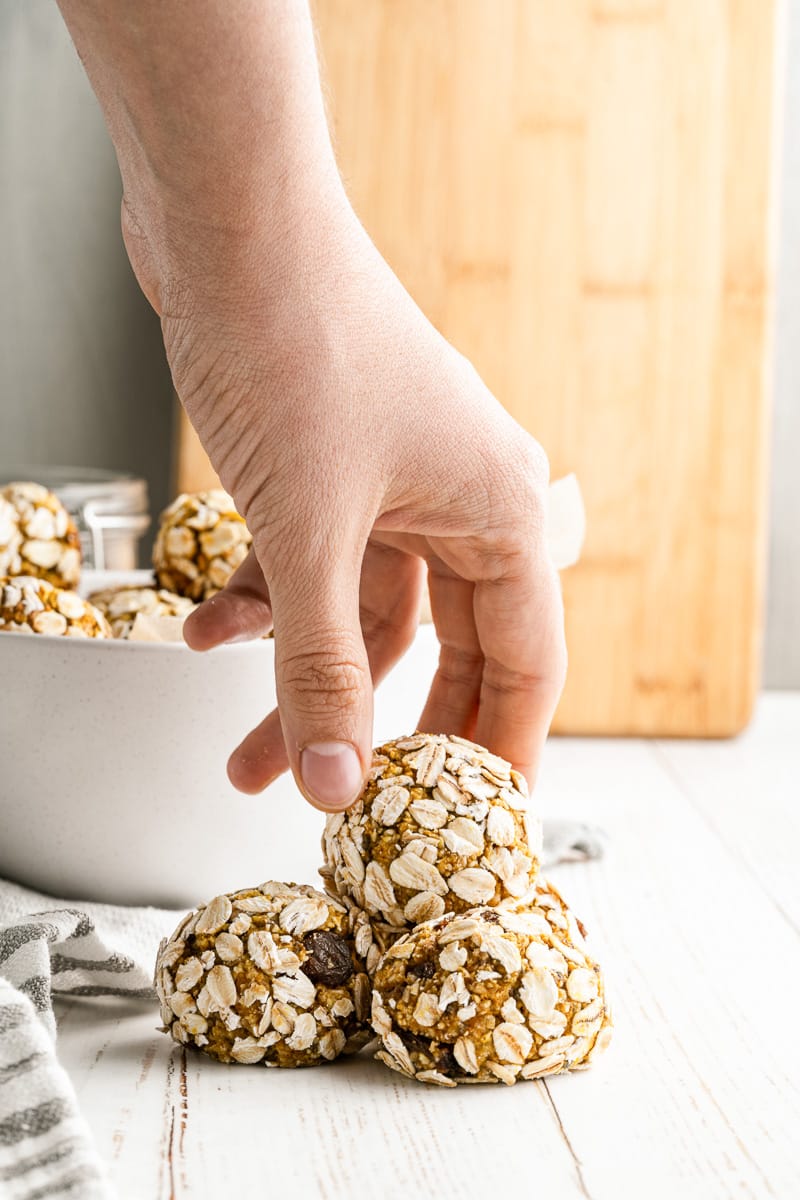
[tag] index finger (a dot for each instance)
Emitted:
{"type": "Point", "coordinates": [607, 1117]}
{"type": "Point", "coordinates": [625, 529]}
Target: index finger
{"type": "Point", "coordinates": [520, 622]}
{"type": "Point", "coordinates": [241, 612]}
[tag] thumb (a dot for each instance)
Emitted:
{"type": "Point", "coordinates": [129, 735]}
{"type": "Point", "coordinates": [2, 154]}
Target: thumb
{"type": "Point", "coordinates": [322, 673]}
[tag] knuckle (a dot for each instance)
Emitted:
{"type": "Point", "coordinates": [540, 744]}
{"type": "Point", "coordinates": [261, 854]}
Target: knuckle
{"type": "Point", "coordinates": [460, 668]}
{"type": "Point", "coordinates": [470, 377]}
{"type": "Point", "coordinates": [531, 496]}
{"type": "Point", "coordinates": [506, 682]}
{"type": "Point", "coordinates": [329, 681]}
{"type": "Point", "coordinates": [382, 627]}
{"type": "Point", "coordinates": [560, 663]}
{"type": "Point", "coordinates": [536, 464]}
{"type": "Point", "coordinates": [518, 494]}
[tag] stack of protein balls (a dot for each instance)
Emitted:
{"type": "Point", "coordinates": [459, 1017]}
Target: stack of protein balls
{"type": "Point", "coordinates": [438, 936]}
{"type": "Point", "coordinates": [201, 541]}
{"type": "Point", "coordinates": [40, 565]}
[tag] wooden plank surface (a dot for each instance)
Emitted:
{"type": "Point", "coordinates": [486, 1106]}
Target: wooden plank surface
{"type": "Point", "coordinates": [693, 913]}
{"type": "Point", "coordinates": [577, 194]}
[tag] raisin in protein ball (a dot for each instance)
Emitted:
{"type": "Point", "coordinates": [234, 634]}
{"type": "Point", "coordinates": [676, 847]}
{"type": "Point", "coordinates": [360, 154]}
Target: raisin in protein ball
{"type": "Point", "coordinates": [441, 826]}
{"type": "Point", "coordinates": [200, 542]}
{"type": "Point", "coordinates": [265, 975]}
{"type": "Point", "coordinates": [491, 995]}
{"type": "Point", "coordinates": [122, 605]}
{"type": "Point", "coordinates": [37, 535]}
{"type": "Point", "coordinates": [29, 605]}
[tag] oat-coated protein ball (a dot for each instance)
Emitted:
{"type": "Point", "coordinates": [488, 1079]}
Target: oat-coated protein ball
{"type": "Point", "coordinates": [265, 975]}
{"type": "Point", "coordinates": [441, 826]}
{"type": "Point", "coordinates": [491, 995]}
{"type": "Point", "coordinates": [37, 535]}
{"type": "Point", "coordinates": [121, 606]}
{"type": "Point", "coordinates": [29, 605]}
{"type": "Point", "coordinates": [201, 541]}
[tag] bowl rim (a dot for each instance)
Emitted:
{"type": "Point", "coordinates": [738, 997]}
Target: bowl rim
{"type": "Point", "coordinates": [93, 580]}
{"type": "Point", "coordinates": [107, 645]}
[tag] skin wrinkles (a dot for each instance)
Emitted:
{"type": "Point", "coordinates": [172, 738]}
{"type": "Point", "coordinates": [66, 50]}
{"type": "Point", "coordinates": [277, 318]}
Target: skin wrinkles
{"type": "Point", "coordinates": [362, 449]}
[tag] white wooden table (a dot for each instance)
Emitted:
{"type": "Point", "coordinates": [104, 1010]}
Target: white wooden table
{"type": "Point", "coordinates": [695, 913]}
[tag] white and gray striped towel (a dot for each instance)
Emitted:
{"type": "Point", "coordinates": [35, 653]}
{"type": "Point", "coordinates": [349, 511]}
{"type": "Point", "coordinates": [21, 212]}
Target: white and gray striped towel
{"type": "Point", "coordinates": [50, 948]}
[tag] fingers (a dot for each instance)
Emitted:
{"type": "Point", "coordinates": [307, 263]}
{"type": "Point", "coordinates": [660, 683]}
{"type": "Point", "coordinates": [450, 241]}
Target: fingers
{"type": "Point", "coordinates": [501, 667]}
{"type": "Point", "coordinates": [321, 672]}
{"type": "Point", "coordinates": [391, 588]}
{"type": "Point", "coordinates": [390, 601]}
{"type": "Point", "coordinates": [452, 704]}
{"type": "Point", "coordinates": [520, 623]}
{"type": "Point", "coordinates": [241, 612]}
{"type": "Point", "coordinates": [260, 758]}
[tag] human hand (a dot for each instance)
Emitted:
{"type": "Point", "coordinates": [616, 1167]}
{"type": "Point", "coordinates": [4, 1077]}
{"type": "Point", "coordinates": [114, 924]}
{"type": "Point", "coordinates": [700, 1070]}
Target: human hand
{"type": "Point", "coordinates": [359, 445]}
{"type": "Point", "coordinates": [355, 441]}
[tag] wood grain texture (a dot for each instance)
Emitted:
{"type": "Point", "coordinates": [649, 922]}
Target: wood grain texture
{"type": "Point", "coordinates": [693, 914]}
{"type": "Point", "coordinates": [577, 194]}
{"type": "Point", "coordinates": [193, 470]}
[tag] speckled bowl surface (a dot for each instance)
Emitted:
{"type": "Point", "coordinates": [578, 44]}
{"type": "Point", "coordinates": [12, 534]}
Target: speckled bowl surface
{"type": "Point", "coordinates": [113, 784]}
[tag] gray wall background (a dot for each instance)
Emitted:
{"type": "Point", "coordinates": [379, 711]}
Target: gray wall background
{"type": "Point", "coordinates": [83, 378]}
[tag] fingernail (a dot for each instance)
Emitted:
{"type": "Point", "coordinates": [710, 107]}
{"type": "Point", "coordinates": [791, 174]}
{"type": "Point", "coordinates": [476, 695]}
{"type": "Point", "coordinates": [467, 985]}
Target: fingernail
{"type": "Point", "coordinates": [331, 773]}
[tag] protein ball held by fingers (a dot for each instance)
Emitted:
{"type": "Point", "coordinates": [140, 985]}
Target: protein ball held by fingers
{"type": "Point", "coordinates": [491, 995]}
{"type": "Point", "coordinates": [37, 535]}
{"type": "Point", "coordinates": [122, 605]}
{"type": "Point", "coordinates": [267, 974]}
{"type": "Point", "coordinates": [441, 826]}
{"type": "Point", "coordinates": [30, 605]}
{"type": "Point", "coordinates": [200, 542]}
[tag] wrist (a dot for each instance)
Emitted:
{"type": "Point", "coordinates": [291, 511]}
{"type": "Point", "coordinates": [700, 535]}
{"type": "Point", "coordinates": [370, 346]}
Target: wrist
{"type": "Point", "coordinates": [218, 121]}
{"type": "Point", "coordinates": [245, 244]}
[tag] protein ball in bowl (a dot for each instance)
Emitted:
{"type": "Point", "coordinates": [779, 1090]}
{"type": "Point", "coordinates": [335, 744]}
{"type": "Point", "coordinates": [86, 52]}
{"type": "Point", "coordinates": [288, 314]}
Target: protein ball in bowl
{"type": "Point", "coordinates": [491, 995]}
{"type": "Point", "coordinates": [441, 826]}
{"type": "Point", "coordinates": [201, 541]}
{"type": "Point", "coordinates": [37, 535]}
{"type": "Point", "coordinates": [29, 605]}
{"type": "Point", "coordinates": [267, 974]}
{"type": "Point", "coordinates": [121, 606]}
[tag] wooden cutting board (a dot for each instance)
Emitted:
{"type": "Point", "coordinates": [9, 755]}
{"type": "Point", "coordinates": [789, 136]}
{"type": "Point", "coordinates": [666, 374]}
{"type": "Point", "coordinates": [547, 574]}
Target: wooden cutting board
{"type": "Point", "coordinates": [578, 195]}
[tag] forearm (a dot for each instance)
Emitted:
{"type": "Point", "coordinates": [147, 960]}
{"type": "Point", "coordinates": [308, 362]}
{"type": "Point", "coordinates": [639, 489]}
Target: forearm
{"type": "Point", "coordinates": [216, 114]}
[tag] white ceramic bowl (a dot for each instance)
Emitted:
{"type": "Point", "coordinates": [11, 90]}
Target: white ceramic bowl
{"type": "Point", "coordinates": [113, 784]}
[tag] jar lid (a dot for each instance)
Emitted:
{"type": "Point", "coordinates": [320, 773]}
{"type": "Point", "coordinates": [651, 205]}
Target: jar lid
{"type": "Point", "coordinates": [107, 491]}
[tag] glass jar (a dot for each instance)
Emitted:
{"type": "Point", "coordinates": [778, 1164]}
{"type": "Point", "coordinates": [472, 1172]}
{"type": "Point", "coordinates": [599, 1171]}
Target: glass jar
{"type": "Point", "coordinates": [109, 508]}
